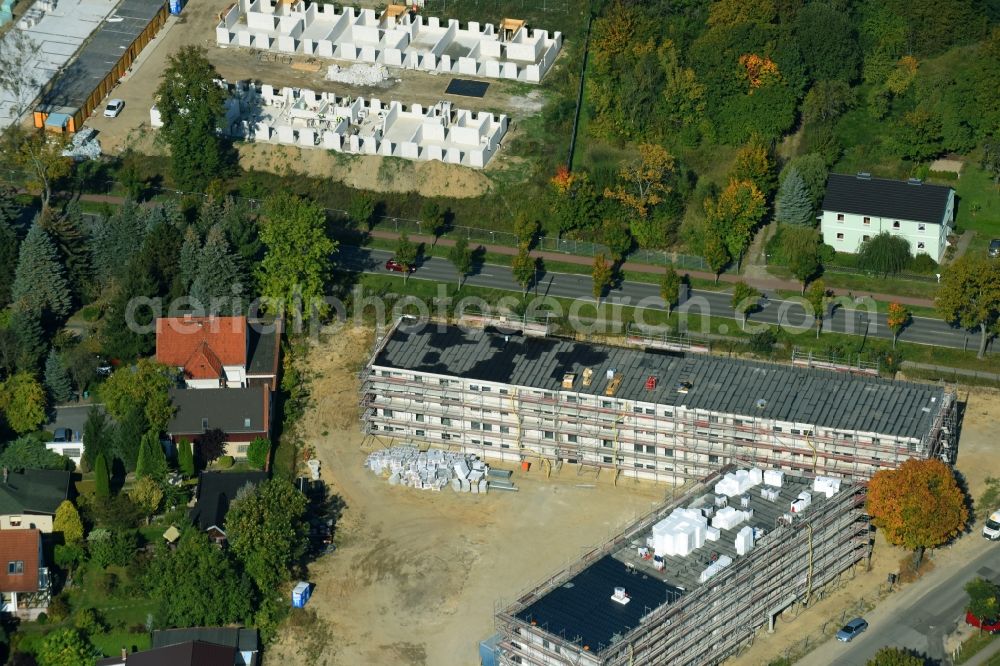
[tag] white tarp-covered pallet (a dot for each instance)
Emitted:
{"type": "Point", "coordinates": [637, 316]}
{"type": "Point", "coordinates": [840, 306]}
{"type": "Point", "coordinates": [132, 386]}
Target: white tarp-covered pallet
{"type": "Point", "coordinates": [430, 470]}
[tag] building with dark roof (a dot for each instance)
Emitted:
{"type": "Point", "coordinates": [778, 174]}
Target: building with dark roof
{"type": "Point", "coordinates": [104, 59]}
{"type": "Point", "coordinates": [29, 498]}
{"type": "Point", "coordinates": [246, 641]}
{"type": "Point", "coordinates": [240, 414]}
{"type": "Point", "coordinates": [626, 602]}
{"type": "Point", "coordinates": [191, 653]}
{"type": "Point", "coordinates": [641, 412]}
{"type": "Point", "coordinates": [857, 208]}
{"type": "Point", "coordinates": [216, 491]}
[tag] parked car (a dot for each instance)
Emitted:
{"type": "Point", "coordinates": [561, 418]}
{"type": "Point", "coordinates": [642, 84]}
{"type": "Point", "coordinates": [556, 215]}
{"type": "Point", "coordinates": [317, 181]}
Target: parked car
{"type": "Point", "coordinates": [113, 108]}
{"type": "Point", "coordinates": [393, 265]}
{"type": "Point", "coordinates": [991, 530]}
{"type": "Point", "coordinates": [991, 625]}
{"type": "Point", "coordinates": [62, 435]}
{"type": "Point", "coordinates": [851, 629]}
{"type": "Point", "coordinates": [995, 247]}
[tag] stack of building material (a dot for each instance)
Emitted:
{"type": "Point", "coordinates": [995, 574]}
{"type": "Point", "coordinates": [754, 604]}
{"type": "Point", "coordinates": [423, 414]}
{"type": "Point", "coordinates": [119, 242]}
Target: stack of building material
{"type": "Point", "coordinates": [802, 502]}
{"type": "Point", "coordinates": [744, 540]}
{"type": "Point", "coordinates": [714, 568]}
{"type": "Point", "coordinates": [770, 494]}
{"type": "Point", "coordinates": [827, 485]}
{"type": "Point", "coordinates": [358, 75]}
{"type": "Point", "coordinates": [429, 470]}
{"type": "Point", "coordinates": [774, 477]}
{"type": "Point", "coordinates": [738, 482]}
{"type": "Point", "coordinates": [680, 532]}
{"type": "Point", "coordinates": [728, 518]}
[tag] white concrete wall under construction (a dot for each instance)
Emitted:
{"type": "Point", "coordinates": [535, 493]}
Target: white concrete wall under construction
{"type": "Point", "coordinates": [405, 40]}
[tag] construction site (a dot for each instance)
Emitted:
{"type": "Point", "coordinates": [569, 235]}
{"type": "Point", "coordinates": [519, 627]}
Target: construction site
{"type": "Point", "coordinates": [692, 582]}
{"type": "Point", "coordinates": [515, 394]}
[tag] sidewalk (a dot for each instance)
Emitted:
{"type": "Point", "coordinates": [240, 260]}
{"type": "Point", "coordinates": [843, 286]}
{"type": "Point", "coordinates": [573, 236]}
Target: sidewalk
{"type": "Point", "coordinates": [764, 284]}
{"type": "Point", "coordinates": [984, 655]}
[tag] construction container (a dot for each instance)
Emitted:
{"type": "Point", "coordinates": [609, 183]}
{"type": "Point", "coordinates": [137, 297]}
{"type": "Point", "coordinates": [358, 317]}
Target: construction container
{"type": "Point", "coordinates": [300, 594]}
{"type": "Point", "coordinates": [525, 465]}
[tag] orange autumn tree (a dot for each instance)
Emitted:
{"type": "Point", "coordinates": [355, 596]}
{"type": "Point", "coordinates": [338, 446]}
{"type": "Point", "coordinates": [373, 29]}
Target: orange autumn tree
{"type": "Point", "coordinates": [760, 69]}
{"type": "Point", "coordinates": [918, 506]}
{"type": "Point", "coordinates": [898, 318]}
{"type": "Point", "coordinates": [645, 181]}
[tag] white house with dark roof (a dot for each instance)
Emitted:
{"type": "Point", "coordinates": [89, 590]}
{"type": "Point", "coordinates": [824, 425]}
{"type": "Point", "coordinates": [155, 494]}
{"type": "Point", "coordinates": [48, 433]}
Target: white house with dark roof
{"type": "Point", "coordinates": [860, 207]}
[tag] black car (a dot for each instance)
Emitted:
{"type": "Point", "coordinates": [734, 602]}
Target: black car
{"type": "Point", "coordinates": [995, 248]}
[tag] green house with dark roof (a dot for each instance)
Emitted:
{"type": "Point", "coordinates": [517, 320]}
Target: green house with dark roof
{"type": "Point", "coordinates": [29, 498]}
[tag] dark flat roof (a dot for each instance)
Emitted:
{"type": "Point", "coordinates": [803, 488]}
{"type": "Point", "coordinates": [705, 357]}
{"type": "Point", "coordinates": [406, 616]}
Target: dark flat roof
{"type": "Point", "coordinates": [582, 607]}
{"type": "Point", "coordinates": [192, 653]}
{"type": "Point", "coordinates": [879, 197]}
{"type": "Point", "coordinates": [99, 55]}
{"type": "Point", "coordinates": [799, 395]}
{"type": "Point", "coordinates": [265, 348]}
{"type": "Point", "coordinates": [226, 409]}
{"type": "Point", "coordinates": [216, 490]}
{"type": "Point", "coordinates": [245, 640]}
{"type": "Point", "coordinates": [38, 491]}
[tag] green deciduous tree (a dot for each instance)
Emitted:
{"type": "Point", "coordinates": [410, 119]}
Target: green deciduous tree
{"type": "Point", "coordinates": [754, 163]}
{"type": "Point", "coordinates": [112, 546]}
{"type": "Point", "coordinates": [296, 261]}
{"type": "Point", "coordinates": [715, 252]}
{"type": "Point", "coordinates": [461, 257]}
{"type": "Point", "coordinates": [735, 214]}
{"type": "Point", "coordinates": [142, 386]}
{"type": "Point", "coordinates": [67, 522]}
{"type": "Point", "coordinates": [177, 579]}
{"type": "Point", "coordinates": [918, 506]}
{"type": "Point", "coordinates": [646, 180]}
{"type": "Point", "coordinates": [919, 135]}
{"type": "Point", "coordinates": [57, 379]}
{"type": "Point", "coordinates": [40, 280]}
{"type": "Point", "coordinates": [572, 201]}
{"type": "Point", "coordinates": [616, 234]}
{"type": "Point", "coordinates": [794, 204]}
{"type": "Point", "coordinates": [894, 656]}
{"type": "Point", "coordinates": [39, 155]}
{"type": "Point", "coordinates": [185, 457]}
{"type": "Point", "coordinates": [670, 284]}
{"type": "Point", "coordinates": [884, 254]}
{"type": "Point", "coordinates": [827, 42]}
{"type": "Point", "coordinates": [102, 479]}
{"type": "Point", "coordinates": [746, 299]}
{"type": "Point", "coordinates": [266, 531]}
{"type": "Point", "coordinates": [801, 248]}
{"type": "Point", "coordinates": [66, 647]}
{"type": "Point", "coordinates": [406, 255]}
{"type": "Point", "coordinates": [22, 401]}
{"type": "Point", "coordinates": [969, 295]}
{"type": "Point", "coordinates": [258, 452]}
{"type": "Point", "coordinates": [524, 268]}
{"type": "Point", "coordinates": [192, 107]}
{"type": "Point", "coordinates": [147, 494]}
{"type": "Point", "coordinates": [433, 217]}
{"type": "Point", "coordinates": [526, 229]}
{"type": "Point", "coordinates": [816, 297]}
{"type": "Point", "coordinates": [826, 101]}
{"type": "Point", "coordinates": [601, 273]}
{"type": "Point", "coordinates": [361, 209]}
{"type": "Point", "coordinates": [984, 599]}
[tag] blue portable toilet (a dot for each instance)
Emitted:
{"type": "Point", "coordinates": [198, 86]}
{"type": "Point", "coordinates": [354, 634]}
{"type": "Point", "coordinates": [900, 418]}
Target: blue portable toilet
{"type": "Point", "coordinates": [174, 6]}
{"type": "Point", "coordinates": [489, 651]}
{"type": "Point", "coordinates": [300, 594]}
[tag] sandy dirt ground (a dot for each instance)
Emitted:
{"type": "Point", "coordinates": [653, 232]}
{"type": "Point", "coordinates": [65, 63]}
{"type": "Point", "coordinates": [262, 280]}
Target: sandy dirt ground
{"type": "Point", "coordinates": [196, 26]}
{"type": "Point", "coordinates": [417, 573]}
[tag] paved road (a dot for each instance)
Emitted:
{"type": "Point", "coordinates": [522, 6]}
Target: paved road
{"type": "Point", "coordinates": [919, 617]}
{"type": "Point", "coordinates": [847, 318]}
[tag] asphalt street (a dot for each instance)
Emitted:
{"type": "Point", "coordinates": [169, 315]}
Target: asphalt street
{"type": "Point", "coordinates": [848, 317]}
{"type": "Point", "coordinates": [918, 618]}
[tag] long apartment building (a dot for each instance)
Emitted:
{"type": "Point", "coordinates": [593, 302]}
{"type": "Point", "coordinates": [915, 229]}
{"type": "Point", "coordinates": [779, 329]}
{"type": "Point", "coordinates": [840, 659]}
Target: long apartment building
{"type": "Point", "coordinates": [640, 412]}
{"type": "Point", "coordinates": [649, 597]}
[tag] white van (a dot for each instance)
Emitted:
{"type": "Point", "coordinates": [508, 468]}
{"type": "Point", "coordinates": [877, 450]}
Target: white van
{"type": "Point", "coordinates": [992, 528]}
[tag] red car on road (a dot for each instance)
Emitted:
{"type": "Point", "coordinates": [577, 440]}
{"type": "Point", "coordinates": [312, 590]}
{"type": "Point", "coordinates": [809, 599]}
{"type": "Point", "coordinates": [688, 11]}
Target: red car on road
{"type": "Point", "coordinates": [393, 265]}
{"type": "Point", "coordinates": [991, 625]}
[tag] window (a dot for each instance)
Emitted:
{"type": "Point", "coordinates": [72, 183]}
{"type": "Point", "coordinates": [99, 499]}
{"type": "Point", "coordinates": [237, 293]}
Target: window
{"type": "Point", "coordinates": [387, 412]}
{"type": "Point", "coordinates": [15, 522]}
{"type": "Point", "coordinates": [571, 398]}
{"type": "Point", "coordinates": [668, 453]}
{"type": "Point", "coordinates": [920, 246]}
{"type": "Point", "coordinates": [606, 443]}
{"type": "Point", "coordinates": [446, 436]}
{"type": "Point", "coordinates": [504, 391]}
{"type": "Point", "coordinates": [571, 438]}
{"type": "Point", "coordinates": [243, 448]}
{"type": "Point", "coordinates": [650, 410]}
{"type": "Point", "coordinates": [445, 421]}
{"type": "Point", "coordinates": [637, 448]}
{"type": "Point", "coordinates": [921, 227]}
{"type": "Point", "coordinates": [607, 404]}
{"type": "Point", "coordinates": [713, 459]}
{"type": "Point", "coordinates": [473, 387]}
{"type": "Point", "coordinates": [777, 428]}
{"type": "Point", "coordinates": [840, 217]}
{"type": "Point", "coordinates": [16, 567]}
{"type": "Point", "coordinates": [866, 237]}
{"type": "Point", "coordinates": [442, 382]}
{"type": "Point", "coordinates": [867, 221]}
{"type": "Point", "coordinates": [668, 412]}
{"type": "Point", "coordinates": [840, 236]}
{"type": "Point", "coordinates": [505, 430]}
{"type": "Point", "coordinates": [488, 427]}
{"type": "Point", "coordinates": [486, 389]}
{"type": "Point", "coordinates": [548, 434]}
{"type": "Point", "coordinates": [419, 433]}
{"type": "Point", "coordinates": [606, 459]}
{"type": "Point", "coordinates": [637, 410]}
{"type": "Point", "coordinates": [419, 417]}
{"type": "Point", "coordinates": [895, 225]}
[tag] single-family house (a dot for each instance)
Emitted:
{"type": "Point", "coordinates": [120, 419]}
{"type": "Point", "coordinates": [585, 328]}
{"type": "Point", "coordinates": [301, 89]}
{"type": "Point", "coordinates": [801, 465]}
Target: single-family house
{"type": "Point", "coordinates": [191, 653]}
{"type": "Point", "coordinates": [24, 578]}
{"type": "Point", "coordinates": [857, 208]}
{"type": "Point", "coordinates": [29, 498]}
{"type": "Point", "coordinates": [220, 352]}
{"type": "Point", "coordinates": [240, 414]}
{"type": "Point", "coordinates": [216, 491]}
{"type": "Point", "coordinates": [246, 641]}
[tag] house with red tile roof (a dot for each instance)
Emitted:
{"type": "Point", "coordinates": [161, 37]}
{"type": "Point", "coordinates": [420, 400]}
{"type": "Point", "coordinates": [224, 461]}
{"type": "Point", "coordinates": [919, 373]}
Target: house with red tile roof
{"type": "Point", "coordinates": [24, 578]}
{"type": "Point", "coordinates": [211, 352]}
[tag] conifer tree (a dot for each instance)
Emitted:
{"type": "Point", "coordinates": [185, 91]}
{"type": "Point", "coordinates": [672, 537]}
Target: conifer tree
{"type": "Point", "coordinates": [57, 380]}
{"type": "Point", "coordinates": [152, 462]}
{"type": "Point", "coordinates": [185, 458]}
{"type": "Point", "coordinates": [8, 251]}
{"type": "Point", "coordinates": [40, 279]}
{"type": "Point", "coordinates": [794, 203]}
{"type": "Point", "coordinates": [218, 276]}
{"type": "Point", "coordinates": [190, 251]}
{"type": "Point", "coordinates": [29, 337]}
{"type": "Point", "coordinates": [102, 481]}
{"type": "Point", "coordinates": [70, 237]}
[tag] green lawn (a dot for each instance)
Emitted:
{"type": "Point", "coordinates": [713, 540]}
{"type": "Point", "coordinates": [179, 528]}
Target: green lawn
{"type": "Point", "coordinates": [974, 645]}
{"type": "Point", "coordinates": [978, 205]}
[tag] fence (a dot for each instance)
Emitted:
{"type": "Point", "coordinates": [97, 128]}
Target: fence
{"type": "Point", "coordinates": [903, 275]}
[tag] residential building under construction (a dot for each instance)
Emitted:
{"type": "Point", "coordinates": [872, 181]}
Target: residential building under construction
{"type": "Point", "coordinates": [518, 395]}
{"type": "Point", "coordinates": [691, 583]}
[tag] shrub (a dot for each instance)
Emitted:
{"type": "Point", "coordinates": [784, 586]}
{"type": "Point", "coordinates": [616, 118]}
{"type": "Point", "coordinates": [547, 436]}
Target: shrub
{"type": "Point", "coordinates": [43, 617]}
{"type": "Point", "coordinates": [762, 343]}
{"type": "Point", "coordinates": [89, 621]}
{"type": "Point", "coordinates": [225, 462]}
{"type": "Point", "coordinates": [923, 264]}
{"type": "Point", "coordinates": [58, 608]}
{"type": "Point", "coordinates": [257, 452]}
{"type": "Point", "coordinates": [108, 583]}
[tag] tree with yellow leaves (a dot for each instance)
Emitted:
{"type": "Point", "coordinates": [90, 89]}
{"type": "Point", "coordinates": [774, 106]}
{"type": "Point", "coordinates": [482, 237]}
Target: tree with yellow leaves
{"type": "Point", "coordinates": [646, 180]}
{"type": "Point", "coordinates": [734, 215]}
{"type": "Point", "coordinates": [755, 163]}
